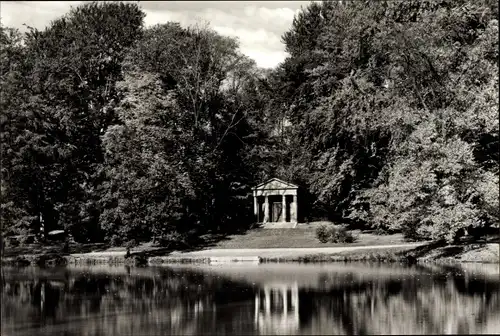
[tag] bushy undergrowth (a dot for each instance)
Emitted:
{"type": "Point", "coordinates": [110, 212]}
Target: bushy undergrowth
{"type": "Point", "coordinates": [334, 234]}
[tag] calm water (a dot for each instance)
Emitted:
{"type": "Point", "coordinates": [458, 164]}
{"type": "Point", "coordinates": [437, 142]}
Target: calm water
{"type": "Point", "coordinates": [255, 299]}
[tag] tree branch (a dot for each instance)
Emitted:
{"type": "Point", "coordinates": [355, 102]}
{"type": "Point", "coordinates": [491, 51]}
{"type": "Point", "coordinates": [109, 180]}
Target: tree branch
{"type": "Point", "coordinates": [231, 125]}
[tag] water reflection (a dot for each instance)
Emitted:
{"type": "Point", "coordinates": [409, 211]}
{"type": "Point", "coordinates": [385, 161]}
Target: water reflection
{"type": "Point", "coordinates": [277, 308]}
{"type": "Point", "coordinates": [264, 299]}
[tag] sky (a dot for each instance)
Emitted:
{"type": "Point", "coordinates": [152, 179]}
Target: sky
{"type": "Point", "coordinates": [257, 24]}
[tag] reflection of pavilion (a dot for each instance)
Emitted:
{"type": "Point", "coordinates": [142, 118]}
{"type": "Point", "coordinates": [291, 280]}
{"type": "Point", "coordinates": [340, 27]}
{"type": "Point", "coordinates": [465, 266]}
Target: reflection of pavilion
{"type": "Point", "coordinates": [277, 308]}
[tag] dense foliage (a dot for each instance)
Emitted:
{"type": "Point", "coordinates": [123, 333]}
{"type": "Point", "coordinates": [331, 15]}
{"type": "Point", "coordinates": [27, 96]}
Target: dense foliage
{"type": "Point", "coordinates": [394, 113]}
{"type": "Point", "coordinates": [334, 234]}
{"type": "Point", "coordinates": [385, 113]}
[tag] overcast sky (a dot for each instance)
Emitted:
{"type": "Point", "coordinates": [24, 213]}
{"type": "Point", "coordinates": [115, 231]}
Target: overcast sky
{"type": "Point", "coordinates": [258, 24]}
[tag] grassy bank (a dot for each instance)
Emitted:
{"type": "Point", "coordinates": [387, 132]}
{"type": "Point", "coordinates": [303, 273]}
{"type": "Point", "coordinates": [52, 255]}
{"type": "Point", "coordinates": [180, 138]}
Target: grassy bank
{"type": "Point", "coordinates": [430, 253]}
{"type": "Point", "coordinates": [302, 237]}
{"type": "Point", "coordinates": [437, 253]}
{"type": "Point", "coordinates": [170, 260]}
{"type": "Point", "coordinates": [42, 260]}
{"type": "Point", "coordinates": [397, 254]}
{"type": "Point", "coordinates": [468, 253]}
{"type": "Point", "coordinates": [63, 259]}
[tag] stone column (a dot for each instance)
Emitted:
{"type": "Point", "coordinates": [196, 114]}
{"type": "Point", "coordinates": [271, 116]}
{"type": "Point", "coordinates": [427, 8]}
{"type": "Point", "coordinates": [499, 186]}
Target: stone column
{"type": "Point", "coordinates": [256, 208]}
{"type": "Point", "coordinates": [266, 209]}
{"type": "Point", "coordinates": [283, 208]}
{"type": "Point", "coordinates": [293, 209]}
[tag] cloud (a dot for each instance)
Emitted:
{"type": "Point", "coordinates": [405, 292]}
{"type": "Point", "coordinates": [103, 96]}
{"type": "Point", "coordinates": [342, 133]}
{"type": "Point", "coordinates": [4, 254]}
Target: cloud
{"type": "Point", "coordinates": [37, 14]}
{"type": "Point", "coordinates": [264, 58]}
{"type": "Point", "coordinates": [258, 25]}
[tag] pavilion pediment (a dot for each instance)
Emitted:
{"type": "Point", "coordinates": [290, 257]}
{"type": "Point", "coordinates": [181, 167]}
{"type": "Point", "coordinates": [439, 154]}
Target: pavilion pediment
{"type": "Point", "coordinates": [275, 184]}
{"type": "Point", "coordinates": [275, 203]}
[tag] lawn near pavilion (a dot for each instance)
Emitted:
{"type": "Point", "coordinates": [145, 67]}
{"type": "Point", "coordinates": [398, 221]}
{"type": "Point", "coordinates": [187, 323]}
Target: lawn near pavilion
{"type": "Point", "coordinates": [278, 245]}
{"type": "Point", "coordinates": [266, 243]}
{"type": "Point", "coordinates": [302, 236]}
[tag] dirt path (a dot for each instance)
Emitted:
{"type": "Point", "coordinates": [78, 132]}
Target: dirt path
{"type": "Point", "coordinates": [262, 252]}
{"type": "Point", "coordinates": [282, 252]}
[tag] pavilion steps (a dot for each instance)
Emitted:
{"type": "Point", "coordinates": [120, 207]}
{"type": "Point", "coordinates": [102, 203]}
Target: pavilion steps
{"type": "Point", "coordinates": [279, 225]}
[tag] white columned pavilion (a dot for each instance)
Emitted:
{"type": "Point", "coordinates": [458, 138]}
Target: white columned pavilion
{"type": "Point", "coordinates": [275, 203]}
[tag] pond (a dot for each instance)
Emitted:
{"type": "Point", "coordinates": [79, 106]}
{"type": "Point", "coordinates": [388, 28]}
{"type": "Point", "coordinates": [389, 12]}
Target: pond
{"type": "Point", "coordinates": [238, 299]}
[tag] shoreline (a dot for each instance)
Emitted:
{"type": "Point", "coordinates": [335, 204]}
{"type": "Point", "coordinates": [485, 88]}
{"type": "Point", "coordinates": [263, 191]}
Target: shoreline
{"type": "Point", "coordinates": [423, 253]}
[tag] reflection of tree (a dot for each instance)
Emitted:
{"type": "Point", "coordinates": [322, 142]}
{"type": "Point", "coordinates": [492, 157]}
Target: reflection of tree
{"type": "Point", "coordinates": [192, 302]}
{"type": "Point", "coordinates": [40, 299]}
{"type": "Point", "coordinates": [183, 303]}
{"type": "Point", "coordinates": [333, 307]}
{"type": "Point", "coordinates": [432, 304]}
{"type": "Point", "coordinates": [46, 299]}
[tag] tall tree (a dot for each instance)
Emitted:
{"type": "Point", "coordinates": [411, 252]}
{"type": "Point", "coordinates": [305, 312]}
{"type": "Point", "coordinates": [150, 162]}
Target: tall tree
{"type": "Point", "coordinates": [384, 74]}
{"type": "Point", "coordinates": [73, 66]}
{"type": "Point", "coordinates": [195, 126]}
{"type": "Point", "coordinates": [16, 170]}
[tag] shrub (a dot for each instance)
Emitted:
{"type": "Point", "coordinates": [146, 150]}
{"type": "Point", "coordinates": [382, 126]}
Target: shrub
{"type": "Point", "coordinates": [382, 231]}
{"type": "Point", "coordinates": [140, 259]}
{"type": "Point", "coordinates": [340, 234]}
{"type": "Point", "coordinates": [27, 239]}
{"type": "Point", "coordinates": [172, 240]}
{"type": "Point", "coordinates": [115, 241]}
{"type": "Point", "coordinates": [323, 233]}
{"type": "Point", "coordinates": [21, 261]}
{"type": "Point", "coordinates": [334, 234]}
{"type": "Point", "coordinates": [11, 242]}
{"type": "Point", "coordinates": [131, 243]}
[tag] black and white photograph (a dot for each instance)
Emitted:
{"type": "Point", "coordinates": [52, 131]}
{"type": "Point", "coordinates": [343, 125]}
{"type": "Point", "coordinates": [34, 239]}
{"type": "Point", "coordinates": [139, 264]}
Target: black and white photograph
{"type": "Point", "coordinates": [249, 168]}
